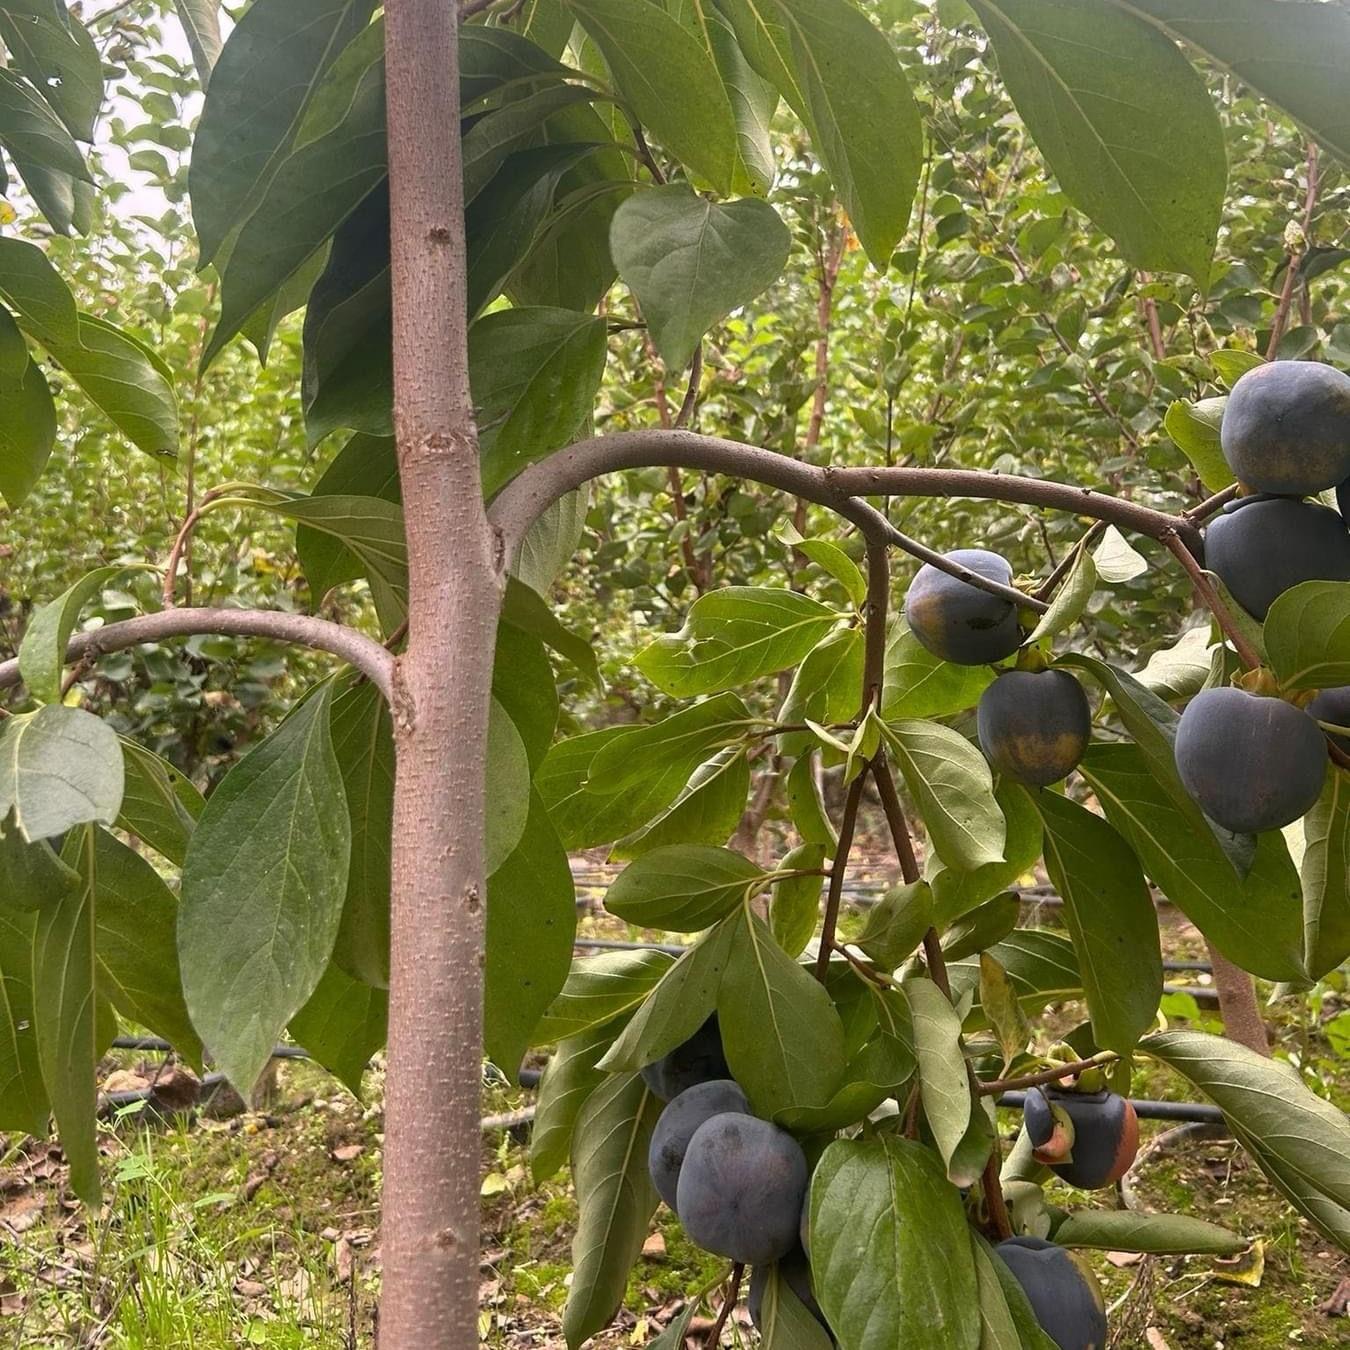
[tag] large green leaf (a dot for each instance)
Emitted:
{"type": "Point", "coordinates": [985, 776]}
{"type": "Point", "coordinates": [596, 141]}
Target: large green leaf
{"type": "Point", "coordinates": [65, 1015]}
{"type": "Point", "coordinates": [23, 1097]}
{"type": "Point", "coordinates": [342, 1025]}
{"type": "Point", "coordinates": [679, 1005]}
{"type": "Point", "coordinates": [569, 1078]}
{"type": "Point", "coordinates": [919, 684]}
{"type": "Point", "coordinates": [337, 159]}
{"type": "Point", "coordinates": [363, 741]}
{"type": "Point", "coordinates": [599, 989]}
{"type": "Point", "coordinates": [707, 810]}
{"type": "Point", "coordinates": [159, 804]}
{"type": "Point", "coordinates": [1326, 878]}
{"type": "Point", "coordinates": [59, 767]}
{"type": "Point", "coordinates": [784, 1322]}
{"type": "Point", "coordinates": [1307, 635]}
{"type": "Point", "coordinates": [1124, 121]}
{"type": "Point", "coordinates": [615, 1198]}
{"type": "Point", "coordinates": [531, 921]}
{"type": "Point", "coordinates": [863, 120]}
{"type": "Point", "coordinates": [690, 261]}
{"type": "Point", "coordinates": [27, 434]}
{"type": "Point", "coordinates": [827, 687]}
{"type": "Point", "coordinates": [31, 875]}
{"type": "Point", "coordinates": [735, 635]}
{"type": "Point", "coordinates": [753, 100]}
{"type": "Point", "coordinates": [1255, 921]}
{"type": "Point", "coordinates": [783, 1038]}
{"type": "Point", "coordinates": [669, 80]}
{"type": "Point", "coordinates": [890, 1250]}
{"type": "Point", "coordinates": [943, 1080]}
{"type": "Point", "coordinates": [54, 50]}
{"type": "Point", "coordinates": [683, 887]}
{"type": "Point", "coordinates": [524, 688]}
{"type": "Point", "coordinates": [201, 27]}
{"type": "Point", "coordinates": [135, 943]}
{"type": "Point", "coordinates": [534, 374]}
{"type": "Point", "coordinates": [44, 303]}
{"type": "Point", "coordinates": [1300, 1142]}
{"type": "Point", "coordinates": [32, 132]}
{"type": "Point", "coordinates": [1122, 1230]}
{"type": "Point", "coordinates": [957, 892]}
{"type": "Point", "coordinates": [1295, 54]}
{"type": "Point", "coordinates": [1110, 916]}
{"type": "Point", "coordinates": [950, 781]}
{"type": "Point", "coordinates": [263, 890]}
{"type": "Point", "coordinates": [265, 77]}
{"type": "Point", "coordinates": [1042, 966]}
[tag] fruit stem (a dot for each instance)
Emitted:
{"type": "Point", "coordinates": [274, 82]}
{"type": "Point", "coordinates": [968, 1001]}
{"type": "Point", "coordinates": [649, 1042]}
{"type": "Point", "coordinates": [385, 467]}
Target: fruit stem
{"type": "Point", "coordinates": [1201, 512]}
{"type": "Point", "coordinates": [993, 1194]}
{"type": "Point", "coordinates": [996, 1086]}
{"type": "Point", "coordinates": [1250, 657]}
{"type": "Point", "coordinates": [728, 1303]}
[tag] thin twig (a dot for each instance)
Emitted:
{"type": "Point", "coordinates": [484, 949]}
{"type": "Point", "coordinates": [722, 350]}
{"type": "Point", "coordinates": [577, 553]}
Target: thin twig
{"type": "Point", "coordinates": [728, 1303]}
{"type": "Point", "coordinates": [1250, 657]}
{"type": "Point", "coordinates": [1030, 1080]}
{"type": "Point", "coordinates": [1200, 513]}
{"type": "Point", "coordinates": [1296, 256]}
{"type": "Point", "coordinates": [954, 569]}
{"type": "Point", "coordinates": [686, 413]}
{"type": "Point", "coordinates": [1065, 565]}
{"type": "Point", "coordinates": [993, 1193]}
{"type": "Point", "coordinates": [838, 868]}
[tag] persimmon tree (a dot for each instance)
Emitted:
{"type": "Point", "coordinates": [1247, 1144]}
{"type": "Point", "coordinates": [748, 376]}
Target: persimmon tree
{"type": "Point", "coordinates": [451, 198]}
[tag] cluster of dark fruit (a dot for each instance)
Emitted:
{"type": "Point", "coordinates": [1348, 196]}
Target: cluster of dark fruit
{"type": "Point", "coordinates": [1251, 761]}
{"type": "Point", "coordinates": [739, 1184]}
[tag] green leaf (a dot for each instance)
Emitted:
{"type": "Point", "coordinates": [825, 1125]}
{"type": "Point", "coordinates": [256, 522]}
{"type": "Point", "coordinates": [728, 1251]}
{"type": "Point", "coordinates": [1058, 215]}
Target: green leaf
{"type": "Point", "coordinates": [1326, 879]}
{"type": "Point", "coordinates": [1121, 1230]}
{"type": "Point", "coordinates": [1008, 1321]}
{"type": "Point", "coordinates": [895, 925]}
{"type": "Point", "coordinates": [64, 1012]}
{"type": "Point", "coordinates": [531, 922]}
{"type": "Point", "coordinates": [159, 804]}
{"type": "Point", "coordinates": [526, 609]}
{"type": "Point", "coordinates": [998, 998]}
{"type": "Point", "coordinates": [363, 742]}
{"type": "Point", "coordinates": [1295, 56]}
{"type": "Point", "coordinates": [919, 684]}
{"type": "Point", "coordinates": [69, 203]}
{"type": "Point", "coordinates": [342, 1025]}
{"type": "Point", "coordinates": [599, 989]}
{"type": "Point", "coordinates": [1124, 121]}
{"type": "Point", "coordinates": [1299, 1141]}
{"type": "Point", "coordinates": [523, 685]}
{"type": "Point", "coordinates": [32, 132]}
{"type": "Point", "coordinates": [1179, 671]}
{"type": "Point", "coordinates": [753, 101]}
{"type": "Point", "coordinates": [263, 889]}
{"type": "Point", "coordinates": [615, 1197]}
{"type": "Point", "coordinates": [508, 806]}
{"type": "Point", "coordinates": [827, 687]}
{"type": "Point", "coordinates": [569, 1078]}
{"type": "Point", "coordinates": [983, 927]}
{"type": "Point", "coordinates": [944, 1082]}
{"type": "Point", "coordinates": [27, 434]}
{"type": "Point", "coordinates": [1109, 914]}
{"type": "Point", "coordinates": [23, 1097]}
{"type": "Point", "coordinates": [1255, 920]}
{"type": "Point", "coordinates": [784, 1321]}
{"type": "Point", "coordinates": [602, 785]}
{"type": "Point", "coordinates": [669, 81]}
{"type": "Point", "coordinates": [832, 559]}
{"type": "Point", "coordinates": [805, 806]}
{"type": "Point", "coordinates": [957, 892]}
{"type": "Point", "coordinates": [59, 767]}
{"type": "Point", "coordinates": [950, 781]}
{"type": "Point", "coordinates": [890, 1251]}
{"type": "Point", "coordinates": [268, 70]}
{"type": "Point", "coordinates": [679, 1005]}
{"type": "Point", "coordinates": [201, 27]}
{"type": "Point", "coordinates": [683, 888]}
{"type": "Point", "coordinates": [707, 810]}
{"type": "Point", "coordinates": [337, 158]}
{"type": "Point", "coordinates": [794, 909]}
{"type": "Point", "coordinates": [1041, 964]}
{"type": "Point", "coordinates": [1116, 559]}
{"type": "Point", "coordinates": [691, 262]}
{"type": "Point", "coordinates": [1070, 600]}
{"type": "Point", "coordinates": [31, 875]}
{"type": "Point", "coordinates": [735, 635]}
{"type": "Point", "coordinates": [1307, 635]}
{"type": "Point", "coordinates": [783, 1039]}
{"type": "Point", "coordinates": [54, 50]}
{"type": "Point", "coordinates": [46, 308]}
{"type": "Point", "coordinates": [135, 927]}
{"type": "Point", "coordinates": [535, 373]}
{"type": "Point", "coordinates": [42, 653]}
{"type": "Point", "coordinates": [14, 358]}
{"type": "Point", "coordinates": [864, 123]}
{"type": "Point", "coordinates": [552, 541]}
{"type": "Point", "coordinates": [1194, 429]}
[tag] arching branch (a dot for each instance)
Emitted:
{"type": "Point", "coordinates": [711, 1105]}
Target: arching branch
{"type": "Point", "coordinates": [360, 652]}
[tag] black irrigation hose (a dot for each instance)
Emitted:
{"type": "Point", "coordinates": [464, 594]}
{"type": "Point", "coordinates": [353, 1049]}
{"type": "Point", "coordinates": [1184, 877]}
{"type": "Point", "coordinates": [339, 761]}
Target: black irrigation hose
{"type": "Point", "coordinates": [1199, 1112]}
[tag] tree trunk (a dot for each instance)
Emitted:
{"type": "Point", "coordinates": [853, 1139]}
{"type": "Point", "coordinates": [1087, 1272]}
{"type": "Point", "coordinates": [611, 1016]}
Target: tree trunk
{"type": "Point", "coordinates": [1242, 1021]}
{"type": "Point", "coordinates": [429, 1236]}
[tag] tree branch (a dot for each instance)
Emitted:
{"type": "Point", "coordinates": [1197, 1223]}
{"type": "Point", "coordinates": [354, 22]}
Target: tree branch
{"type": "Point", "coordinates": [995, 1086]}
{"type": "Point", "coordinates": [1251, 658]}
{"type": "Point", "coordinates": [360, 652]}
{"type": "Point", "coordinates": [1296, 256]}
{"type": "Point", "coordinates": [728, 1303]}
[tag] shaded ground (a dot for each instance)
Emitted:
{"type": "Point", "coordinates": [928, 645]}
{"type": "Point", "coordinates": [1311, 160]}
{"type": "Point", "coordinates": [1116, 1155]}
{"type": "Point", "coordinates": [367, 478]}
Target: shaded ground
{"type": "Point", "coordinates": [260, 1230]}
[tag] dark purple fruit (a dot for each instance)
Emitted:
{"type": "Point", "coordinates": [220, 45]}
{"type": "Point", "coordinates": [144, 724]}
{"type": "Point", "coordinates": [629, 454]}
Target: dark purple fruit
{"type": "Point", "coordinates": [1333, 705]}
{"type": "Point", "coordinates": [1286, 427]}
{"type": "Point", "coordinates": [1263, 546]}
{"type": "Point", "coordinates": [698, 1060]}
{"type": "Point", "coordinates": [1105, 1135]}
{"type": "Point", "coordinates": [1063, 1294]}
{"type": "Point", "coordinates": [1251, 763]}
{"type": "Point", "coordinates": [796, 1271]}
{"type": "Point", "coordinates": [959, 622]}
{"type": "Point", "coordinates": [741, 1189]}
{"type": "Point", "coordinates": [1034, 725]}
{"type": "Point", "coordinates": [675, 1128]}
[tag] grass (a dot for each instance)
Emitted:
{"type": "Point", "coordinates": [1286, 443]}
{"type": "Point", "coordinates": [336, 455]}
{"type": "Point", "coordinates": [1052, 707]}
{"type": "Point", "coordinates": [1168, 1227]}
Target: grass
{"type": "Point", "coordinates": [260, 1230]}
